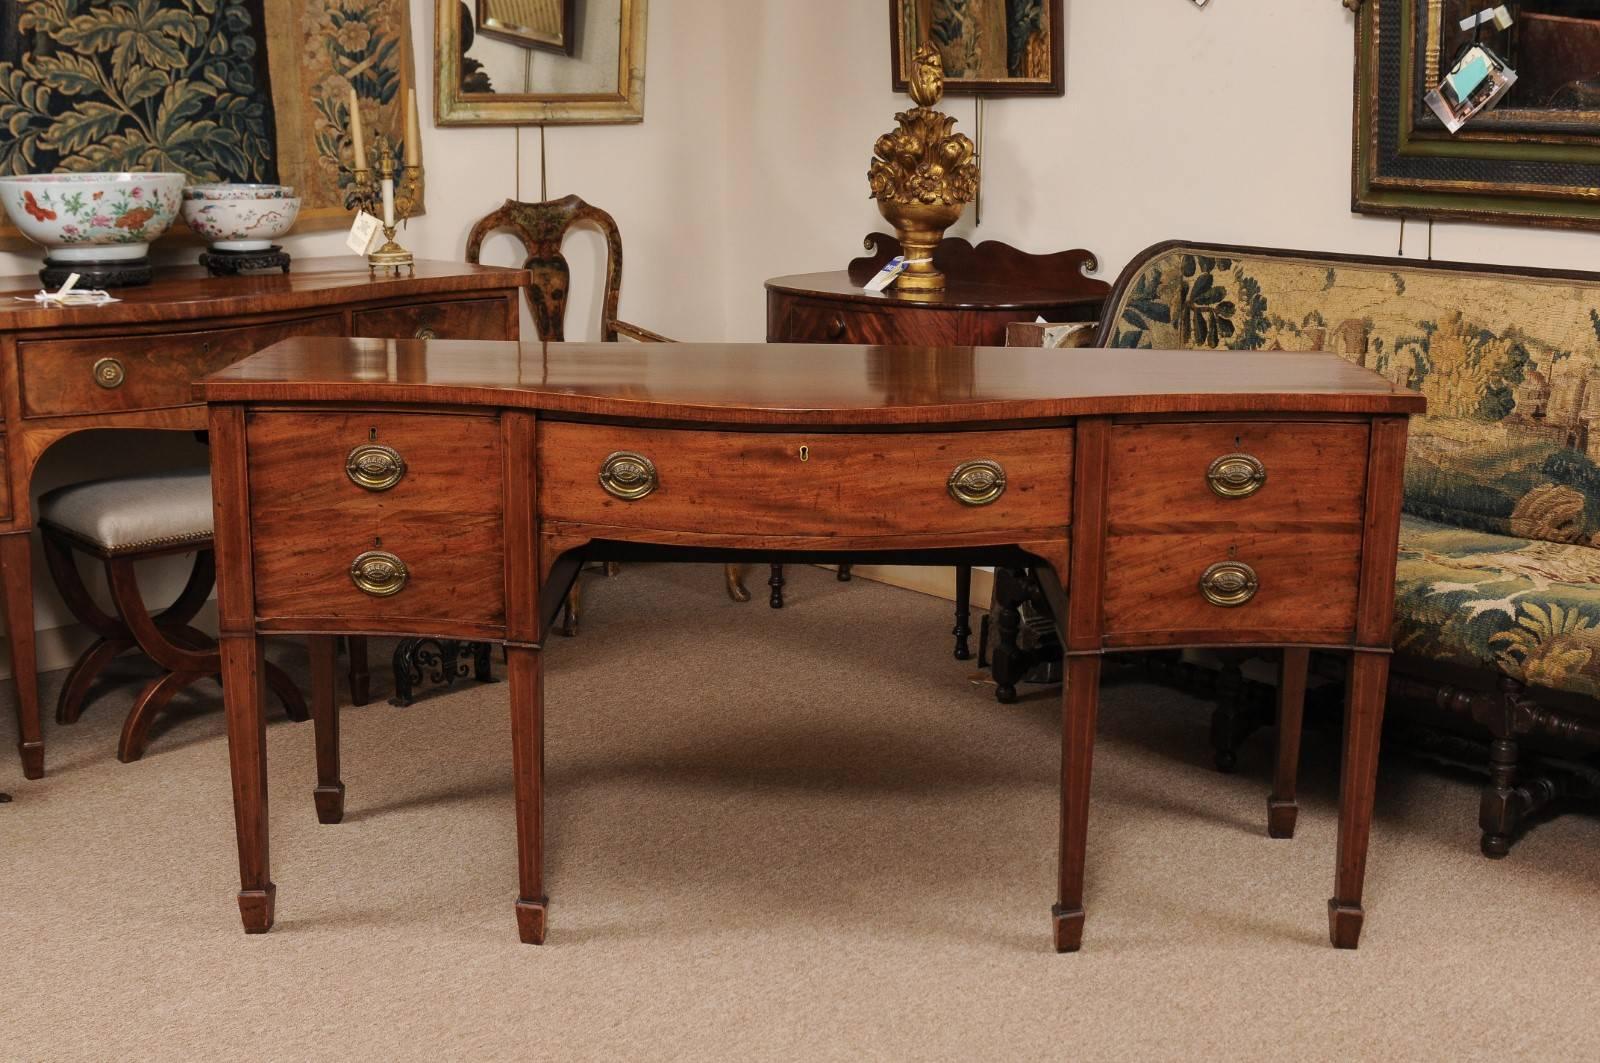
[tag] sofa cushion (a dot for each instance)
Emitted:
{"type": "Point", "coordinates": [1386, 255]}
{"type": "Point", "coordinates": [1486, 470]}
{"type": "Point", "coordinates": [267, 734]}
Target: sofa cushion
{"type": "Point", "coordinates": [1529, 608]}
{"type": "Point", "coordinates": [1510, 365]}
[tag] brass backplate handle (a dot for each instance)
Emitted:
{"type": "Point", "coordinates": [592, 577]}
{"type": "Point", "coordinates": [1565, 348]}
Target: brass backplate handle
{"type": "Point", "coordinates": [1229, 584]}
{"type": "Point", "coordinates": [977, 483]}
{"type": "Point", "coordinates": [379, 573]}
{"type": "Point", "coordinates": [1236, 475]}
{"type": "Point", "coordinates": [109, 374]}
{"type": "Point", "coordinates": [628, 476]}
{"type": "Point", "coordinates": [374, 466]}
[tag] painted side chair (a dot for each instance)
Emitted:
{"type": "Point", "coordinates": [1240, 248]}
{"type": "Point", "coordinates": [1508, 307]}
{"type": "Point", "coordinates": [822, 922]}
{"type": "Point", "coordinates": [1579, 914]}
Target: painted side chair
{"type": "Point", "coordinates": [542, 228]}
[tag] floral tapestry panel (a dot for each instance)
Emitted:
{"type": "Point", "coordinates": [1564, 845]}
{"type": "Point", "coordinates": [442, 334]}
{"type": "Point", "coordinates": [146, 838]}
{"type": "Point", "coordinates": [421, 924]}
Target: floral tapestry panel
{"type": "Point", "coordinates": [1528, 608]}
{"type": "Point", "coordinates": [1510, 366]}
{"type": "Point", "coordinates": [218, 90]}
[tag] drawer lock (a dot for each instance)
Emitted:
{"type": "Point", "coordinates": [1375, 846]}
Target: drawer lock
{"type": "Point", "coordinates": [109, 374]}
{"type": "Point", "coordinates": [1236, 475]}
{"type": "Point", "coordinates": [379, 573]}
{"type": "Point", "coordinates": [628, 476]}
{"type": "Point", "coordinates": [374, 466]}
{"type": "Point", "coordinates": [977, 483]}
{"type": "Point", "coordinates": [1229, 584]}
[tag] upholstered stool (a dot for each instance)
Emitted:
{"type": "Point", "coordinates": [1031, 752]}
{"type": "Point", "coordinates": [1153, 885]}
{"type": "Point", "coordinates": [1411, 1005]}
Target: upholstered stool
{"type": "Point", "coordinates": [121, 522]}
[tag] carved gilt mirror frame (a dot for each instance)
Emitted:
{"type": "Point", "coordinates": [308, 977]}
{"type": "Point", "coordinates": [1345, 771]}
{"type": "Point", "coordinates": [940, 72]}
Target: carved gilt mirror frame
{"type": "Point", "coordinates": [457, 102]}
{"type": "Point", "coordinates": [1534, 160]}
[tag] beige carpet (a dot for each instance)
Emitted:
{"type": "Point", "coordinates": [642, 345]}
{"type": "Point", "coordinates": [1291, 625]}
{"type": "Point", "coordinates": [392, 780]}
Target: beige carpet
{"type": "Point", "coordinates": [774, 835]}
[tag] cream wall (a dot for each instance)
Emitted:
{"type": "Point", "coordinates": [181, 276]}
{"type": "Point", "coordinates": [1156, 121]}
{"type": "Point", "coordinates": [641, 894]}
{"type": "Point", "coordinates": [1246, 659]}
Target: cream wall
{"type": "Point", "coordinates": [1229, 123]}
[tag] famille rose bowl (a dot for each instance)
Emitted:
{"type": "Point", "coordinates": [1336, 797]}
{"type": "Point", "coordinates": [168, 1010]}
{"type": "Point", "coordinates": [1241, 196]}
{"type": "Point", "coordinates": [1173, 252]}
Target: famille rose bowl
{"type": "Point", "coordinates": [92, 217]}
{"type": "Point", "coordinates": [243, 222]}
{"type": "Point", "coordinates": [238, 191]}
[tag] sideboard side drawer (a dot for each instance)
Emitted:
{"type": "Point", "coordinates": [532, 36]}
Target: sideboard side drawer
{"type": "Point", "coordinates": [465, 319]}
{"type": "Point", "coordinates": [1304, 583]}
{"type": "Point", "coordinates": [793, 483]}
{"type": "Point", "coordinates": [1305, 472]}
{"type": "Point", "coordinates": [819, 322]}
{"type": "Point", "coordinates": [438, 510]}
{"type": "Point", "coordinates": [114, 374]}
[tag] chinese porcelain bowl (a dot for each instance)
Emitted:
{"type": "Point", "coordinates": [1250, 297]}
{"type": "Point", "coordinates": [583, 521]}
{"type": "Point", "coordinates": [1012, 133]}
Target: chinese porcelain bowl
{"type": "Point", "coordinates": [238, 191]}
{"type": "Point", "coordinates": [241, 223]}
{"type": "Point", "coordinates": [92, 217]}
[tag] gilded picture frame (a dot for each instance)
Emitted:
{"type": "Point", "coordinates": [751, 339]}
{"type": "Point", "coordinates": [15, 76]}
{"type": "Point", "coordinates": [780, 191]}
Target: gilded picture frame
{"type": "Point", "coordinates": [989, 47]}
{"type": "Point", "coordinates": [545, 24]}
{"type": "Point", "coordinates": [455, 105]}
{"type": "Point", "coordinates": [1515, 164]}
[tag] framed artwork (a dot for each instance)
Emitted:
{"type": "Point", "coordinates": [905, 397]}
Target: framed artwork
{"type": "Point", "coordinates": [219, 90]}
{"type": "Point", "coordinates": [993, 47]}
{"type": "Point", "coordinates": [547, 24]}
{"type": "Point", "coordinates": [486, 76]}
{"type": "Point", "coordinates": [1532, 160]}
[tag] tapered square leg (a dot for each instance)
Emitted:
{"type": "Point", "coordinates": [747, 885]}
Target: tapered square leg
{"type": "Point", "coordinates": [525, 667]}
{"type": "Point", "coordinates": [329, 795]}
{"type": "Point", "coordinates": [1080, 707]}
{"type": "Point", "coordinates": [1358, 780]}
{"type": "Point", "coordinates": [16, 572]}
{"type": "Point", "coordinates": [242, 688]}
{"type": "Point", "coordinates": [1282, 807]}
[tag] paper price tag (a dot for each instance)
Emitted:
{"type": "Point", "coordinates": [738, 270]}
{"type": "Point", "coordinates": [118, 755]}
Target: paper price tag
{"type": "Point", "coordinates": [363, 233]}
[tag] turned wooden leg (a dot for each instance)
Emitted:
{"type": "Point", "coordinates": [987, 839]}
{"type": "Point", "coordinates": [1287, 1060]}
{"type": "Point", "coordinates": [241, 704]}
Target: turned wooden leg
{"type": "Point", "coordinates": [776, 583]}
{"type": "Point", "coordinates": [16, 572]}
{"type": "Point", "coordinates": [242, 691]}
{"type": "Point", "coordinates": [1007, 665]}
{"type": "Point", "coordinates": [360, 673]}
{"type": "Point", "coordinates": [526, 669]}
{"type": "Point", "coordinates": [844, 573]}
{"type": "Point", "coordinates": [329, 794]}
{"type": "Point", "coordinates": [963, 629]}
{"type": "Point", "coordinates": [1358, 781]}
{"type": "Point", "coordinates": [734, 575]}
{"type": "Point", "coordinates": [1080, 704]}
{"type": "Point", "coordinates": [1282, 808]}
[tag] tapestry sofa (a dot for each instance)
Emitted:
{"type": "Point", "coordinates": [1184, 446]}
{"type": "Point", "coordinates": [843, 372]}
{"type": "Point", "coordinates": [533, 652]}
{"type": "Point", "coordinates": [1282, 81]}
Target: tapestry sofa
{"type": "Point", "coordinates": [1498, 588]}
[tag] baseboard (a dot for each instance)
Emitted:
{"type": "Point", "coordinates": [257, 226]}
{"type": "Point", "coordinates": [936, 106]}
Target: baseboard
{"type": "Point", "coordinates": [59, 647]}
{"type": "Point", "coordinates": [939, 582]}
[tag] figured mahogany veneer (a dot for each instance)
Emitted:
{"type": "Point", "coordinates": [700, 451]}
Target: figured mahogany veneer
{"type": "Point", "coordinates": [132, 364]}
{"type": "Point", "coordinates": [819, 453]}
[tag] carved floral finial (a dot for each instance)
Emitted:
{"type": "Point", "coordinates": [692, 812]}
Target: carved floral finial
{"type": "Point", "coordinates": [927, 76]}
{"type": "Point", "coordinates": [924, 160]}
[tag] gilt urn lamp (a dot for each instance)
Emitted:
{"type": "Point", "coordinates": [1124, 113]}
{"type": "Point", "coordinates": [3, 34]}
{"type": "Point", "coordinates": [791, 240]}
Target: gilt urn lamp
{"type": "Point", "coordinates": [923, 174]}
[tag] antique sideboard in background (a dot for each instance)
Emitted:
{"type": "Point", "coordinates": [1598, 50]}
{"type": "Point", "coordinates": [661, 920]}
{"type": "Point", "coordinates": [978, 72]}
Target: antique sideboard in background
{"type": "Point", "coordinates": [131, 364]}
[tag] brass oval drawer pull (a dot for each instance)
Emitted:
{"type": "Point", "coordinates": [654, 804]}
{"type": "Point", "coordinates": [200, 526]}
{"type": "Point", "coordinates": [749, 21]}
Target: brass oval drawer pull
{"type": "Point", "coordinates": [425, 333]}
{"type": "Point", "coordinates": [379, 573]}
{"type": "Point", "coordinates": [1236, 475]}
{"type": "Point", "coordinates": [628, 476]}
{"type": "Point", "coordinates": [977, 483]}
{"type": "Point", "coordinates": [375, 466]}
{"type": "Point", "coordinates": [1229, 584]}
{"type": "Point", "coordinates": [109, 374]}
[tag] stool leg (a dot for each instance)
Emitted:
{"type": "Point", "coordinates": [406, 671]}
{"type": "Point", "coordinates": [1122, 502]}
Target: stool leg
{"type": "Point", "coordinates": [734, 576]}
{"type": "Point", "coordinates": [776, 583]}
{"type": "Point", "coordinates": [360, 673]}
{"type": "Point", "coordinates": [329, 794]}
{"type": "Point", "coordinates": [151, 702]}
{"type": "Point", "coordinates": [963, 628]}
{"type": "Point", "coordinates": [75, 690]}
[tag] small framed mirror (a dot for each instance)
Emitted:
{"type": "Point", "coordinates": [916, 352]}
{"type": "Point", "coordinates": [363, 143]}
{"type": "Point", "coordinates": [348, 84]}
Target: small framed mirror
{"type": "Point", "coordinates": [993, 47]}
{"type": "Point", "coordinates": [539, 62]}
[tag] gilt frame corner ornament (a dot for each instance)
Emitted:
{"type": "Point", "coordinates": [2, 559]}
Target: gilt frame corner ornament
{"type": "Point", "coordinates": [1514, 165]}
{"type": "Point", "coordinates": [453, 106]}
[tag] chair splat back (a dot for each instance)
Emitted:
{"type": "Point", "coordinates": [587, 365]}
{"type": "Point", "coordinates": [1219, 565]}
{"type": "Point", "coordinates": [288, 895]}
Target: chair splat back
{"type": "Point", "coordinates": [542, 227]}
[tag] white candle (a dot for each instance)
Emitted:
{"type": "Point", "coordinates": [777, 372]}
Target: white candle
{"type": "Point", "coordinates": [388, 202]}
{"type": "Point", "coordinates": [413, 130]}
{"type": "Point", "coordinates": [358, 143]}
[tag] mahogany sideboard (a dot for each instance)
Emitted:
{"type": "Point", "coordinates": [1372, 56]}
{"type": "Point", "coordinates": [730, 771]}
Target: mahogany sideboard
{"type": "Point", "coordinates": [1189, 499]}
{"type": "Point", "coordinates": [132, 364]}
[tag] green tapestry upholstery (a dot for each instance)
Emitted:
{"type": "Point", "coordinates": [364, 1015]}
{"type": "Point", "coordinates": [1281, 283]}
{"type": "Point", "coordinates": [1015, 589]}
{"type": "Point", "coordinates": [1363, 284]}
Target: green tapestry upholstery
{"type": "Point", "coordinates": [1502, 493]}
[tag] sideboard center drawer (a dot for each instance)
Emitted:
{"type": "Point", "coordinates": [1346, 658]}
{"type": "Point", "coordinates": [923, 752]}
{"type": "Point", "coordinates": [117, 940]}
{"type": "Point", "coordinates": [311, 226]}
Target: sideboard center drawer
{"type": "Point", "coordinates": [793, 483]}
{"type": "Point", "coordinates": [114, 374]}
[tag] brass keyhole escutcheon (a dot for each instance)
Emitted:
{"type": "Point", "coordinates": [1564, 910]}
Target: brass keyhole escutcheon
{"type": "Point", "coordinates": [1236, 475]}
{"type": "Point", "coordinates": [109, 374]}
{"type": "Point", "coordinates": [374, 466]}
{"type": "Point", "coordinates": [977, 483]}
{"type": "Point", "coordinates": [379, 573]}
{"type": "Point", "coordinates": [1229, 584]}
{"type": "Point", "coordinates": [805, 452]}
{"type": "Point", "coordinates": [628, 476]}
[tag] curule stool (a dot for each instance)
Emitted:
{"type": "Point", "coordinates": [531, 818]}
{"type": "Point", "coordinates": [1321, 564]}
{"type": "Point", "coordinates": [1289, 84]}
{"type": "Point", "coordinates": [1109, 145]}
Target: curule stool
{"type": "Point", "coordinates": [121, 522]}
